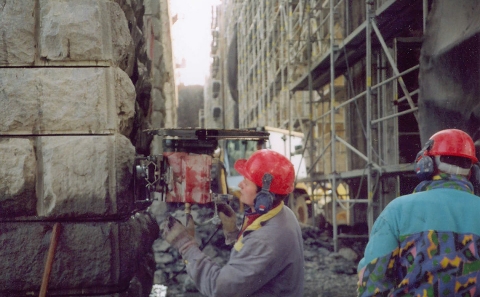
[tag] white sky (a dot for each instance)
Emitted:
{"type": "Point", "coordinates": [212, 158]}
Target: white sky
{"type": "Point", "coordinates": [192, 38]}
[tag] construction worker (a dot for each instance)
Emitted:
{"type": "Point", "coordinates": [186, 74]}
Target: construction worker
{"type": "Point", "coordinates": [267, 257]}
{"type": "Point", "coordinates": [427, 243]}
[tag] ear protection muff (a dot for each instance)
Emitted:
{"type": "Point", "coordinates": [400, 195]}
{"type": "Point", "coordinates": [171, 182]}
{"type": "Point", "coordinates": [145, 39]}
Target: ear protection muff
{"type": "Point", "coordinates": [424, 164]}
{"type": "Point", "coordinates": [264, 199]}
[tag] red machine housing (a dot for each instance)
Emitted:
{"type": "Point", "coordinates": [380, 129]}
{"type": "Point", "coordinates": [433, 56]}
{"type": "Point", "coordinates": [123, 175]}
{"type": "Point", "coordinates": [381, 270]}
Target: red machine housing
{"type": "Point", "coordinates": [188, 177]}
{"type": "Point", "coordinates": [181, 171]}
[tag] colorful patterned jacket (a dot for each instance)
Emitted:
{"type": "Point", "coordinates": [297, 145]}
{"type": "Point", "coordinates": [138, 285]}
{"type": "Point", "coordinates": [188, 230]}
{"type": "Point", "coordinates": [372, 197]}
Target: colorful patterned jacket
{"type": "Point", "coordinates": [425, 244]}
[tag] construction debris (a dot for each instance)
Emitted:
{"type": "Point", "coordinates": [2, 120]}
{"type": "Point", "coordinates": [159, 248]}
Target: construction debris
{"type": "Point", "coordinates": [326, 273]}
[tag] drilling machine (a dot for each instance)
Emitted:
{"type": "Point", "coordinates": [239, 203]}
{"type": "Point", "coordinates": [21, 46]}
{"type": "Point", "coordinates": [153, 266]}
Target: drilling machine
{"type": "Point", "coordinates": [188, 169]}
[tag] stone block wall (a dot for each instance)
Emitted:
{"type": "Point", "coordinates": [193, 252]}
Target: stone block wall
{"type": "Point", "coordinates": [79, 82]}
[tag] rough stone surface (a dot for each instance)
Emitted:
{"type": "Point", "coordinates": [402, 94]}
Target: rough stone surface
{"type": "Point", "coordinates": [69, 113]}
{"type": "Point", "coordinates": [152, 7]}
{"type": "Point", "coordinates": [123, 49]}
{"type": "Point", "coordinates": [98, 250]}
{"type": "Point", "coordinates": [17, 176]}
{"type": "Point", "coordinates": [57, 100]}
{"type": "Point", "coordinates": [70, 163]}
{"type": "Point", "coordinates": [125, 102]}
{"type": "Point", "coordinates": [448, 76]}
{"type": "Point", "coordinates": [124, 160]}
{"type": "Point", "coordinates": [83, 31]}
{"type": "Point", "coordinates": [17, 27]}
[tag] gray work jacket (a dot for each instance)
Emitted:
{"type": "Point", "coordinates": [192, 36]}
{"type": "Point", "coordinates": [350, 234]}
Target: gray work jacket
{"type": "Point", "coordinates": [267, 260]}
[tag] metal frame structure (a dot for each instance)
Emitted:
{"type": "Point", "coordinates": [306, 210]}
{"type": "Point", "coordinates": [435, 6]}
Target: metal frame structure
{"type": "Point", "coordinates": [302, 65]}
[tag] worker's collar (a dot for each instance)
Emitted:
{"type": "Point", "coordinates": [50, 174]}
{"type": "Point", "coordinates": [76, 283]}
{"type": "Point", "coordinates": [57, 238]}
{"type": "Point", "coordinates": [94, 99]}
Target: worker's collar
{"type": "Point", "coordinates": [445, 180]}
{"type": "Point", "coordinates": [257, 224]}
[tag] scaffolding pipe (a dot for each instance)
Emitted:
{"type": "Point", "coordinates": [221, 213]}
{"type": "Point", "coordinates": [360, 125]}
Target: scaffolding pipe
{"type": "Point", "coordinates": [395, 115]}
{"type": "Point", "coordinates": [320, 156]}
{"type": "Point", "coordinates": [381, 111]}
{"type": "Point", "coordinates": [390, 149]}
{"type": "Point", "coordinates": [332, 125]}
{"type": "Point", "coordinates": [310, 85]}
{"type": "Point", "coordinates": [370, 19]}
{"type": "Point", "coordinates": [278, 42]}
{"type": "Point", "coordinates": [392, 64]}
{"type": "Point", "coordinates": [355, 201]}
{"type": "Point", "coordinates": [401, 99]}
{"type": "Point", "coordinates": [374, 87]}
{"type": "Point", "coordinates": [284, 93]}
{"type": "Point", "coordinates": [358, 153]}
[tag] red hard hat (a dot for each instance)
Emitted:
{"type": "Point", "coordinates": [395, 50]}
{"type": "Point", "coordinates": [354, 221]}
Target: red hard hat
{"type": "Point", "coordinates": [268, 161]}
{"type": "Point", "coordinates": [452, 142]}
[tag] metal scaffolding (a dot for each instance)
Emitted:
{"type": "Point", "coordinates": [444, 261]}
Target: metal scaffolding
{"type": "Point", "coordinates": [343, 72]}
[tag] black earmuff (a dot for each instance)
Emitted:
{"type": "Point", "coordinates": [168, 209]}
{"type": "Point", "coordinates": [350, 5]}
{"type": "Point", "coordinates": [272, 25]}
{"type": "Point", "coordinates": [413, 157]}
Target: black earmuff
{"type": "Point", "coordinates": [424, 165]}
{"type": "Point", "coordinates": [264, 199]}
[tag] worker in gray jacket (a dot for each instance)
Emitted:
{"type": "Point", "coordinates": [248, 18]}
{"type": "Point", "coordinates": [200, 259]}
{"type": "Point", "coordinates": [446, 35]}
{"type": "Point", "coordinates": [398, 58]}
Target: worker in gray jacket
{"type": "Point", "coordinates": [267, 257]}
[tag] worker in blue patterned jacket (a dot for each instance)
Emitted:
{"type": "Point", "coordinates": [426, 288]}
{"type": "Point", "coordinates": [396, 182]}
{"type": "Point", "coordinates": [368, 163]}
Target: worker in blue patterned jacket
{"type": "Point", "coordinates": [427, 243]}
{"type": "Point", "coordinates": [267, 257]}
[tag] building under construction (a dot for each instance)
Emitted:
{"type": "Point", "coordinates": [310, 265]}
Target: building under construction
{"type": "Point", "coordinates": [343, 72]}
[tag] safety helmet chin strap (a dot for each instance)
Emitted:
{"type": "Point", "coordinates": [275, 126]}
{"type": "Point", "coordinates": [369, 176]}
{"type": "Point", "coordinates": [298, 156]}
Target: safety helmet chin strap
{"type": "Point", "coordinates": [451, 169]}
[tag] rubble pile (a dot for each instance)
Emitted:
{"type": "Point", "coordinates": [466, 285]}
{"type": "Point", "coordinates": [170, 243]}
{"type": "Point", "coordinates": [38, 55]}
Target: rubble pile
{"type": "Point", "coordinates": [326, 273]}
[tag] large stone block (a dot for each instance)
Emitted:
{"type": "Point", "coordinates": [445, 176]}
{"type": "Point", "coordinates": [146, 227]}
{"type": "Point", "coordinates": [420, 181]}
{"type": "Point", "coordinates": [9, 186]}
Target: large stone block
{"type": "Point", "coordinates": [17, 27]}
{"type": "Point", "coordinates": [66, 176]}
{"type": "Point", "coordinates": [88, 30]}
{"type": "Point", "coordinates": [18, 168]}
{"type": "Point", "coordinates": [65, 101]}
{"type": "Point", "coordinates": [90, 258]}
{"type": "Point", "coordinates": [84, 176]}
{"type": "Point", "coordinates": [82, 33]}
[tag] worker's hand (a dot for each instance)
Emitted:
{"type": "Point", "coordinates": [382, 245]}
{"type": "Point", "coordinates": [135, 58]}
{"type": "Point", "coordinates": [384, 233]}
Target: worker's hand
{"type": "Point", "coordinates": [229, 222]}
{"type": "Point", "coordinates": [178, 235]}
